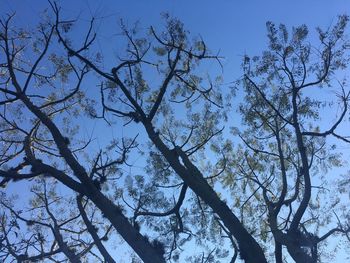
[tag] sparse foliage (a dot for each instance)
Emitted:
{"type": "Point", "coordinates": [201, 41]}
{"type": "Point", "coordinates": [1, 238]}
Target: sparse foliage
{"type": "Point", "coordinates": [176, 179]}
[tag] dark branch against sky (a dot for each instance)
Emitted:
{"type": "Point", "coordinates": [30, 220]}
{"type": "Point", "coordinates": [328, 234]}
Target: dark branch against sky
{"type": "Point", "coordinates": [230, 29]}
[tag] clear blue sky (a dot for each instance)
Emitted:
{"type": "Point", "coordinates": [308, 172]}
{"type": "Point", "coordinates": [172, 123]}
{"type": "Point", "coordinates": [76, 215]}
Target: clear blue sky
{"type": "Point", "coordinates": [234, 27]}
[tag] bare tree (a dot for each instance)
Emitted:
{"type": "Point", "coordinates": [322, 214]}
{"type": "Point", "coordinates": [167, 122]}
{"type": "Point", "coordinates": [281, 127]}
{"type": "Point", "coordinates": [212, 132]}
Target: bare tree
{"type": "Point", "coordinates": [42, 231]}
{"type": "Point", "coordinates": [181, 59]}
{"type": "Point", "coordinates": [157, 87]}
{"type": "Point", "coordinates": [285, 147]}
{"type": "Point", "coordinates": [23, 141]}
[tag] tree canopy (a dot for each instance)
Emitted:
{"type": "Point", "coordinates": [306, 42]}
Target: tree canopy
{"type": "Point", "coordinates": [144, 148]}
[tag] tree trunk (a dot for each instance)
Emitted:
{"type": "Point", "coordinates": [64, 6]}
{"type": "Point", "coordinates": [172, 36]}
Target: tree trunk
{"type": "Point", "coordinates": [250, 250]}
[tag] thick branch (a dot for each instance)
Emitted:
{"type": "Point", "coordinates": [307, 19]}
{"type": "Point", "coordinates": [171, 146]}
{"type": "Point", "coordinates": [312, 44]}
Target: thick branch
{"type": "Point", "coordinates": [93, 232]}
